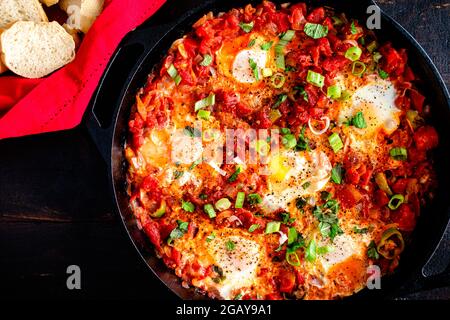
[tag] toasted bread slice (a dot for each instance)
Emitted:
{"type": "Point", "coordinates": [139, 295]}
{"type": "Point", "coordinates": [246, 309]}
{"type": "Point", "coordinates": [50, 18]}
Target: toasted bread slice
{"type": "Point", "coordinates": [36, 49]}
{"type": "Point", "coordinates": [82, 13]}
{"type": "Point", "coordinates": [49, 3]}
{"type": "Point", "coordinates": [20, 10]}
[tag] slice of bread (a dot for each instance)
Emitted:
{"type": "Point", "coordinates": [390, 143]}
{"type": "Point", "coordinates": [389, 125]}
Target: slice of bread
{"type": "Point", "coordinates": [20, 10]}
{"type": "Point", "coordinates": [36, 49]}
{"type": "Point", "coordinates": [49, 3]}
{"type": "Point", "coordinates": [82, 13]}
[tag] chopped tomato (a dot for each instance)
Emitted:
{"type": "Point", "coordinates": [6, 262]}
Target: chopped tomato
{"type": "Point", "coordinates": [287, 281]}
{"type": "Point", "coordinates": [393, 62]}
{"type": "Point", "coordinates": [426, 138]}
{"type": "Point", "coordinates": [297, 18]}
{"type": "Point", "coordinates": [400, 185]}
{"type": "Point", "coordinates": [381, 199]}
{"type": "Point", "coordinates": [417, 100]}
{"type": "Point", "coordinates": [316, 16]}
{"type": "Point", "coordinates": [404, 217]}
{"type": "Point", "coordinates": [348, 196]}
{"type": "Point", "coordinates": [152, 230]}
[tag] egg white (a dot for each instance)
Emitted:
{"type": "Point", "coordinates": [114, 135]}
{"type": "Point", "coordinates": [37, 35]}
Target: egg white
{"type": "Point", "coordinates": [242, 71]}
{"type": "Point", "coordinates": [290, 170]}
{"type": "Point", "coordinates": [238, 265]}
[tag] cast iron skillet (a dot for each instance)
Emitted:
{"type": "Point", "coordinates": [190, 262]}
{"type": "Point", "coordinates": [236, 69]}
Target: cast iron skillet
{"type": "Point", "coordinates": [424, 261]}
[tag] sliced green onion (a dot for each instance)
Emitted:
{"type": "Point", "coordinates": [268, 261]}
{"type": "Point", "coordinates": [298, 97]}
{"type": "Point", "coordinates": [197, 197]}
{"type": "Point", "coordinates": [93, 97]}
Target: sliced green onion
{"type": "Point", "coordinates": [209, 210]}
{"type": "Point", "coordinates": [279, 61]}
{"type": "Point", "coordinates": [396, 201]}
{"type": "Point", "coordinates": [254, 68]}
{"type": "Point", "coordinates": [247, 27]}
{"type": "Point", "coordinates": [391, 244]}
{"type": "Point", "coordinates": [335, 142]}
{"type": "Point", "coordinates": [274, 115]}
{"type": "Point", "coordinates": [251, 43]}
{"type": "Point", "coordinates": [279, 49]}
{"type": "Point", "coordinates": [358, 121]}
{"type": "Point", "coordinates": [315, 31]}
{"type": "Point", "coordinates": [399, 153]}
{"type": "Point", "coordinates": [380, 179]}
{"type": "Point", "coordinates": [345, 95]}
{"type": "Point", "coordinates": [160, 211]}
{"type": "Point", "coordinates": [235, 174]}
{"type": "Point", "coordinates": [192, 132]}
{"type": "Point", "coordinates": [272, 227]}
{"type": "Point", "coordinates": [315, 78]}
{"type": "Point", "coordinates": [267, 72]}
{"type": "Point", "coordinates": [211, 237]}
{"type": "Point", "coordinates": [195, 163]}
{"type": "Point", "coordinates": [353, 29]}
{"type": "Point", "coordinates": [306, 185]}
{"type": "Point", "coordinates": [358, 68]}
{"type": "Point", "coordinates": [240, 198]}
{"type": "Point", "coordinates": [254, 198]}
{"type": "Point", "coordinates": [206, 102]}
{"type": "Point", "coordinates": [285, 131]}
{"type": "Point", "coordinates": [310, 252]}
{"type": "Point", "coordinates": [187, 206]}
{"type": "Point", "coordinates": [230, 245]}
{"type": "Point", "coordinates": [204, 114]}
{"type": "Point", "coordinates": [262, 147]}
{"type": "Point", "coordinates": [289, 141]}
{"type": "Point", "coordinates": [324, 250]}
{"type": "Point", "coordinates": [177, 174]}
{"type": "Point", "coordinates": [288, 35]}
{"type": "Point", "coordinates": [372, 252]}
{"type": "Point", "coordinates": [292, 258]}
{"type": "Point", "coordinates": [173, 73]}
{"type": "Point", "coordinates": [337, 21]}
{"type": "Point", "coordinates": [292, 235]}
{"type": "Point", "coordinates": [353, 53]}
{"type": "Point", "coordinates": [223, 204]}
{"type": "Point", "coordinates": [371, 47]}
{"type": "Point", "coordinates": [376, 56]}
{"type": "Point", "coordinates": [266, 46]}
{"type": "Point", "coordinates": [383, 74]}
{"type": "Point", "coordinates": [281, 98]}
{"type": "Point", "coordinates": [277, 80]}
{"type": "Point", "coordinates": [336, 173]}
{"type": "Point", "coordinates": [253, 227]}
{"type": "Point", "coordinates": [334, 92]}
{"type": "Point", "coordinates": [207, 59]}
{"type": "Point", "coordinates": [301, 90]}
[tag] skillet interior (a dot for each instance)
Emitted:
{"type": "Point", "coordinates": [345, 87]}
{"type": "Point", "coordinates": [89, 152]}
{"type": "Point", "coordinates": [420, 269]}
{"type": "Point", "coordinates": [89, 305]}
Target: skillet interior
{"type": "Point", "coordinates": [433, 219]}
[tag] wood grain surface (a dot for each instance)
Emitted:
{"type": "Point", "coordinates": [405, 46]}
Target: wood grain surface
{"type": "Point", "coordinates": [55, 208]}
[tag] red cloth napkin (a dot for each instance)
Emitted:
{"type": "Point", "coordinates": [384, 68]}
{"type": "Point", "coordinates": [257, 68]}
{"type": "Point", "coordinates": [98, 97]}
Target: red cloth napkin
{"type": "Point", "coordinates": [59, 101]}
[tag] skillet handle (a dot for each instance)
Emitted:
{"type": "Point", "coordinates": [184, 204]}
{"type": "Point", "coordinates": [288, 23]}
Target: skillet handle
{"type": "Point", "coordinates": [106, 100]}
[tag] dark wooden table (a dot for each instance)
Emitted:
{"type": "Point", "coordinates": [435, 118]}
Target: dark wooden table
{"type": "Point", "coordinates": [55, 208]}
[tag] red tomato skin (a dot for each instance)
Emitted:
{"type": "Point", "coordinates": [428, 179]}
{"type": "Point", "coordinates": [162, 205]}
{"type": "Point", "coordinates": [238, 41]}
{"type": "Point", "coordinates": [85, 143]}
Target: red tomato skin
{"type": "Point", "coordinates": [405, 218]}
{"type": "Point", "coordinates": [380, 198]}
{"type": "Point", "coordinates": [426, 138]}
{"type": "Point", "coordinates": [152, 230]}
{"type": "Point", "coordinates": [287, 282]}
